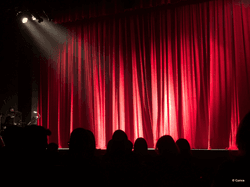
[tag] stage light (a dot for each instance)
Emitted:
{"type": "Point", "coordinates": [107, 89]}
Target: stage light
{"type": "Point", "coordinates": [37, 117]}
{"type": "Point", "coordinates": [36, 16]}
{"type": "Point", "coordinates": [25, 20]}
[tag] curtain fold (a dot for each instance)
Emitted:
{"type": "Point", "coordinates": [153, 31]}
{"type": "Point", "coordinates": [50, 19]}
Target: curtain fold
{"type": "Point", "coordinates": [182, 71]}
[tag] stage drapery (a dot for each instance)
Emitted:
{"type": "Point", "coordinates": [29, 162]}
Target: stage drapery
{"type": "Point", "coordinates": [181, 71]}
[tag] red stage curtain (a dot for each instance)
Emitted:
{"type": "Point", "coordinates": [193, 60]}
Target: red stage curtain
{"type": "Point", "coordinates": [181, 71]}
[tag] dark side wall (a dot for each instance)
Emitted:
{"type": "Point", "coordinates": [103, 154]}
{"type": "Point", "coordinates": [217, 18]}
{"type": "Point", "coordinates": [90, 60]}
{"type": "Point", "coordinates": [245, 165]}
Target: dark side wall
{"type": "Point", "coordinates": [8, 68]}
{"type": "Point", "coordinates": [16, 69]}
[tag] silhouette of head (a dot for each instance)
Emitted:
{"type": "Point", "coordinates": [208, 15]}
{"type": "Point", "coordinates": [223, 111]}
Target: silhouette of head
{"type": "Point", "coordinates": [140, 146]}
{"type": "Point", "coordinates": [36, 138]}
{"type": "Point", "coordinates": [82, 141]}
{"type": "Point", "coordinates": [184, 146]}
{"type": "Point", "coordinates": [119, 142]}
{"type": "Point", "coordinates": [119, 135]}
{"type": "Point", "coordinates": [167, 146]}
{"type": "Point", "coordinates": [243, 135]}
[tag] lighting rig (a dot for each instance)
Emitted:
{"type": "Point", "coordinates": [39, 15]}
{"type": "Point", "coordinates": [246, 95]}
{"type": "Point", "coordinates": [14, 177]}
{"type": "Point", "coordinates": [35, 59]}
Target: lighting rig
{"type": "Point", "coordinates": [29, 15]}
{"type": "Point", "coordinates": [26, 11]}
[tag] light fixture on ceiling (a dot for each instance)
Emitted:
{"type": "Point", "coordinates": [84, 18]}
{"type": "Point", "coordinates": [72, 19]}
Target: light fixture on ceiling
{"type": "Point", "coordinates": [25, 20]}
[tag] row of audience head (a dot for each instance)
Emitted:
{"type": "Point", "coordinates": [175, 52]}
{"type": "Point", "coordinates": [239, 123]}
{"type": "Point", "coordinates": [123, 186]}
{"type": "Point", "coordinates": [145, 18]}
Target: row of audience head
{"type": "Point", "coordinates": [32, 141]}
{"type": "Point", "coordinates": [166, 144]}
{"type": "Point", "coordinates": [83, 141]}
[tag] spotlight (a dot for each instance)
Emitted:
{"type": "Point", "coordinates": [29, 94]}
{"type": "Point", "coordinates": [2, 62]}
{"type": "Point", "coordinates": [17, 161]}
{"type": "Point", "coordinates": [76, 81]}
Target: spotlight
{"type": "Point", "coordinates": [23, 16]}
{"type": "Point", "coordinates": [37, 117]}
{"type": "Point", "coordinates": [35, 16]}
{"type": "Point", "coordinates": [25, 20]}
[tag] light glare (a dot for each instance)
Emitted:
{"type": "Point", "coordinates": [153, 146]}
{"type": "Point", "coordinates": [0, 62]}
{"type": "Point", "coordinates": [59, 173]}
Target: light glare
{"type": "Point", "coordinates": [25, 20]}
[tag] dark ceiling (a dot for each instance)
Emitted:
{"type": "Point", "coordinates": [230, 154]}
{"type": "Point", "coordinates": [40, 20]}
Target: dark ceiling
{"type": "Point", "coordinates": [10, 8]}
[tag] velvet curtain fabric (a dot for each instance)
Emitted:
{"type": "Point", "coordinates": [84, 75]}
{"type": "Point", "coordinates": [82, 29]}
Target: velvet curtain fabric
{"type": "Point", "coordinates": [181, 71]}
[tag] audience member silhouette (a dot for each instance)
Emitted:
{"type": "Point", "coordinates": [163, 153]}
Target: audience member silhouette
{"type": "Point", "coordinates": [118, 162]}
{"type": "Point", "coordinates": [35, 145]}
{"type": "Point", "coordinates": [118, 146]}
{"type": "Point", "coordinates": [14, 143]}
{"type": "Point", "coordinates": [140, 146]}
{"type": "Point", "coordinates": [12, 138]}
{"type": "Point", "coordinates": [82, 165]}
{"type": "Point", "coordinates": [174, 165]}
{"type": "Point", "coordinates": [243, 138]}
{"type": "Point", "coordinates": [235, 172]}
{"type": "Point", "coordinates": [35, 139]}
{"type": "Point", "coordinates": [141, 151]}
{"type": "Point", "coordinates": [82, 144]}
{"type": "Point", "coordinates": [188, 170]}
{"type": "Point", "coordinates": [119, 143]}
{"type": "Point", "coordinates": [167, 147]}
{"type": "Point", "coordinates": [145, 162]}
{"type": "Point", "coordinates": [184, 147]}
{"type": "Point", "coordinates": [167, 163]}
{"type": "Point", "coordinates": [25, 149]}
{"type": "Point", "coordinates": [81, 147]}
{"type": "Point", "coordinates": [28, 143]}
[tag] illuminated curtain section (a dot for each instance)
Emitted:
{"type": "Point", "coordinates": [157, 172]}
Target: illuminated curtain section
{"type": "Point", "coordinates": [182, 71]}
